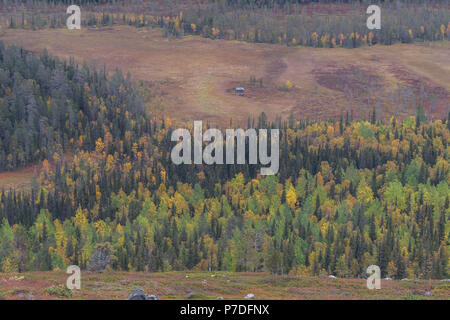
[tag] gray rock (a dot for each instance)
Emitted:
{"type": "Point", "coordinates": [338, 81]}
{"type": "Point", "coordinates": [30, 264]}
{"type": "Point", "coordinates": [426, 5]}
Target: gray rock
{"type": "Point", "coordinates": [101, 258]}
{"type": "Point", "coordinates": [26, 297]}
{"type": "Point", "coordinates": [138, 294]}
{"type": "Point", "coordinates": [249, 296]}
{"type": "Point", "coordinates": [219, 298]}
{"type": "Point", "coordinates": [428, 294]}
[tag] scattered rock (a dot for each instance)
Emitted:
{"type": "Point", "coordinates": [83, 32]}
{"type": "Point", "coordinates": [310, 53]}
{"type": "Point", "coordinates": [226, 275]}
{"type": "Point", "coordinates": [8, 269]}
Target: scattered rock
{"type": "Point", "coordinates": [138, 294]}
{"type": "Point", "coordinates": [24, 294]}
{"type": "Point", "coordinates": [428, 294]}
{"type": "Point", "coordinates": [26, 297]}
{"type": "Point", "coordinates": [249, 296]}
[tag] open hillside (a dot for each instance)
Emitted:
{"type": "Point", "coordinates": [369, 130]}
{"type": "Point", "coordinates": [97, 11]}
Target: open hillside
{"type": "Point", "coordinates": [193, 78]}
{"type": "Point", "coordinates": [359, 128]}
{"type": "Point", "coordinates": [210, 286]}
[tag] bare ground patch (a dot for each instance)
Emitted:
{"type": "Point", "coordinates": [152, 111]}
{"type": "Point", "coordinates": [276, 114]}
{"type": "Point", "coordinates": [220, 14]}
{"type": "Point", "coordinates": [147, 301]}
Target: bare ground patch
{"type": "Point", "coordinates": [348, 78]}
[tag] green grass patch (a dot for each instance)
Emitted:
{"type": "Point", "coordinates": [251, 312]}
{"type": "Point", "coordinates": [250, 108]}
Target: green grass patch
{"type": "Point", "coordinates": [60, 291]}
{"type": "Point", "coordinates": [200, 296]}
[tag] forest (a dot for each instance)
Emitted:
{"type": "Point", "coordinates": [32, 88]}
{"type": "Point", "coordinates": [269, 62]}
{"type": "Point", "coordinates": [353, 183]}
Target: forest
{"type": "Point", "coordinates": [295, 22]}
{"type": "Point", "coordinates": [349, 192]}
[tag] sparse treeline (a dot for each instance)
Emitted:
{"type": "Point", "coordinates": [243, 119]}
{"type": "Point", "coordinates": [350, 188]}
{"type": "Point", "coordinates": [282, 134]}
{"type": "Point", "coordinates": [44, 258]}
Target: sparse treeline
{"type": "Point", "coordinates": [310, 23]}
{"type": "Point", "coordinates": [348, 194]}
{"type": "Point", "coordinates": [33, 14]}
{"type": "Point", "coordinates": [318, 25]}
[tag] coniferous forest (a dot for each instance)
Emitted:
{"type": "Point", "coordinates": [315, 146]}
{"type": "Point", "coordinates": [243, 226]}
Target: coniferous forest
{"type": "Point", "coordinates": [319, 23]}
{"type": "Point", "coordinates": [349, 193]}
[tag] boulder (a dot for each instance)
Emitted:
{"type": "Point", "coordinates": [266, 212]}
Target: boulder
{"type": "Point", "coordinates": [101, 258]}
{"type": "Point", "coordinates": [138, 294]}
{"type": "Point", "coordinates": [24, 294]}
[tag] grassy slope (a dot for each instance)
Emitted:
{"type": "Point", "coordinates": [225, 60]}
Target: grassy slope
{"type": "Point", "coordinates": [195, 76]}
{"type": "Point", "coordinates": [175, 285]}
